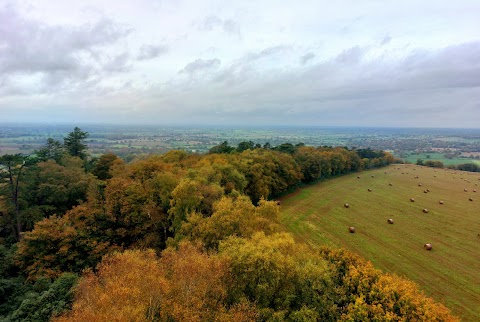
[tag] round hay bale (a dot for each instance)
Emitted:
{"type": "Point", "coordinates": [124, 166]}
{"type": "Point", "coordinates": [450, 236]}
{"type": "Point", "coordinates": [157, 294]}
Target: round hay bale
{"type": "Point", "coordinates": [403, 172]}
{"type": "Point", "coordinates": [358, 177]}
{"type": "Point", "coordinates": [419, 184]}
{"type": "Point", "coordinates": [471, 199]}
{"type": "Point", "coordinates": [441, 202]}
{"type": "Point", "coordinates": [390, 221]}
{"type": "Point", "coordinates": [425, 210]}
{"type": "Point", "coordinates": [373, 176]}
{"type": "Point", "coordinates": [428, 190]}
{"type": "Point", "coordinates": [351, 229]}
{"type": "Point", "coordinates": [425, 191]}
{"type": "Point", "coordinates": [412, 200]}
{"type": "Point", "coordinates": [369, 190]}
{"type": "Point", "coordinates": [427, 246]}
{"type": "Point", "coordinates": [465, 189]}
{"type": "Point", "coordinates": [474, 190]}
{"type": "Point", "coordinates": [434, 176]}
{"type": "Point", "coordinates": [390, 184]}
{"type": "Point", "coordinates": [346, 205]}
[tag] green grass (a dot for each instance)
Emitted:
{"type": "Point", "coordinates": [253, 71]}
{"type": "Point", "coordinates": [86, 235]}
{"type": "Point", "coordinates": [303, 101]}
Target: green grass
{"type": "Point", "coordinates": [450, 273]}
{"type": "Point", "coordinates": [412, 158]}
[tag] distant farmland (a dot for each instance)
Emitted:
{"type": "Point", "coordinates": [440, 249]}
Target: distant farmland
{"type": "Point", "coordinates": [450, 272]}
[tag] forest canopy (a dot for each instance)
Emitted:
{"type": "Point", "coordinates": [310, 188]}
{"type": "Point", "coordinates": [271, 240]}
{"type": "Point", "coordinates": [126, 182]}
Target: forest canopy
{"type": "Point", "coordinates": [182, 237]}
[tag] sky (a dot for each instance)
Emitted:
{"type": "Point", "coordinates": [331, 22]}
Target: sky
{"type": "Point", "coordinates": [397, 63]}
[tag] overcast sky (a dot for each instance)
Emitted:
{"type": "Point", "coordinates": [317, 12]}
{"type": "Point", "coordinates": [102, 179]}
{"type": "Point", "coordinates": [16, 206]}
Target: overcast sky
{"type": "Point", "coordinates": [404, 63]}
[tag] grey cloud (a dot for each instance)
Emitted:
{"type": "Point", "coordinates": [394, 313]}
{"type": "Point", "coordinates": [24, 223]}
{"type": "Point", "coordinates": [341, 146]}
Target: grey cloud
{"type": "Point", "coordinates": [270, 51]}
{"type": "Point", "coordinates": [227, 25]}
{"type": "Point", "coordinates": [351, 55]}
{"type": "Point", "coordinates": [200, 64]}
{"type": "Point", "coordinates": [306, 58]}
{"type": "Point", "coordinates": [148, 52]}
{"type": "Point", "coordinates": [118, 63]}
{"type": "Point", "coordinates": [57, 54]}
{"type": "Point", "coordinates": [386, 40]}
{"type": "Point", "coordinates": [377, 92]}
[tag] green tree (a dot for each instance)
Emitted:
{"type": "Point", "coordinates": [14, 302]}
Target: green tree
{"type": "Point", "coordinates": [52, 188]}
{"type": "Point", "coordinates": [102, 167]}
{"type": "Point", "coordinates": [51, 299]}
{"type": "Point", "coordinates": [11, 171]}
{"type": "Point", "coordinates": [245, 145]}
{"type": "Point", "coordinates": [222, 148]}
{"type": "Point", "coordinates": [52, 150]}
{"type": "Point", "coordinates": [75, 143]}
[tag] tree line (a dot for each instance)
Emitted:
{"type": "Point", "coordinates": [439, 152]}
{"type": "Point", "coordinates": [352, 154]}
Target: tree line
{"type": "Point", "coordinates": [470, 167]}
{"type": "Point", "coordinates": [181, 237]}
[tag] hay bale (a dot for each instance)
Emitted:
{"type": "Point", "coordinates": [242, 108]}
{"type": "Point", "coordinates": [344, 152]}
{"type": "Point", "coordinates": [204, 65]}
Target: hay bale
{"type": "Point", "coordinates": [474, 190]}
{"type": "Point", "coordinates": [346, 205]}
{"type": "Point", "coordinates": [465, 189]}
{"type": "Point", "coordinates": [351, 229]}
{"type": "Point", "coordinates": [278, 202]}
{"type": "Point", "coordinates": [412, 200]}
{"type": "Point", "coordinates": [403, 172]}
{"type": "Point", "coordinates": [425, 210]}
{"type": "Point", "coordinates": [419, 184]}
{"type": "Point", "coordinates": [358, 177]}
{"type": "Point", "coordinates": [471, 199]}
{"type": "Point", "coordinates": [441, 202]}
{"type": "Point", "coordinates": [425, 191]}
{"type": "Point", "coordinates": [369, 190]}
{"type": "Point", "coordinates": [390, 184]}
{"type": "Point", "coordinates": [390, 221]}
{"type": "Point", "coordinates": [427, 246]}
{"type": "Point", "coordinates": [373, 176]}
{"type": "Point", "coordinates": [428, 190]}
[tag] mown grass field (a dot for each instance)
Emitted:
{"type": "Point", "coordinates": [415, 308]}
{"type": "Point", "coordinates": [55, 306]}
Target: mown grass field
{"type": "Point", "coordinates": [450, 272]}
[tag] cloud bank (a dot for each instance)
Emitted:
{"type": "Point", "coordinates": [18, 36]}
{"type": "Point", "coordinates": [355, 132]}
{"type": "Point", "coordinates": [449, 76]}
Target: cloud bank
{"type": "Point", "coordinates": [229, 65]}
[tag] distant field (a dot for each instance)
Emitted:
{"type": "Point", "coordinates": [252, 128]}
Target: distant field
{"type": "Point", "coordinates": [412, 158]}
{"type": "Point", "coordinates": [450, 273]}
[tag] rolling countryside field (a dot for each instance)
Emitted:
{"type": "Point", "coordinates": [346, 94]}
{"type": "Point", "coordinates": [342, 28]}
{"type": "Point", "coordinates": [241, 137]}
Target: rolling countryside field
{"type": "Point", "coordinates": [450, 272]}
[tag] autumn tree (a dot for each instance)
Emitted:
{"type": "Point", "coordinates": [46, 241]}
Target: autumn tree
{"type": "Point", "coordinates": [231, 217]}
{"type": "Point", "coordinates": [285, 280]}
{"type": "Point", "coordinates": [183, 285]}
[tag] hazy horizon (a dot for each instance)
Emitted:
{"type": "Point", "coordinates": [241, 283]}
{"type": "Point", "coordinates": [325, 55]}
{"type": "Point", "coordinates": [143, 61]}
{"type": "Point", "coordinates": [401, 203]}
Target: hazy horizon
{"type": "Point", "coordinates": [401, 64]}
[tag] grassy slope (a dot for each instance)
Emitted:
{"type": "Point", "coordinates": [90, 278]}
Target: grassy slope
{"type": "Point", "coordinates": [450, 273]}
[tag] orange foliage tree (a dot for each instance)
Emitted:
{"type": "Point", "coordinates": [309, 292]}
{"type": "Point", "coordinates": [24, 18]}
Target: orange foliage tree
{"type": "Point", "coordinates": [183, 285]}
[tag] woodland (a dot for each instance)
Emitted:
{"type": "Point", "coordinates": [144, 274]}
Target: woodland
{"type": "Point", "coordinates": [182, 237]}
